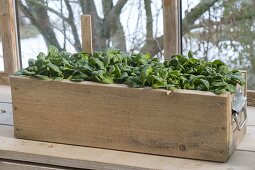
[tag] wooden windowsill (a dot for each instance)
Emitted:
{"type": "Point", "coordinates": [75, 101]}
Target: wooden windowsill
{"type": "Point", "coordinates": [4, 78]}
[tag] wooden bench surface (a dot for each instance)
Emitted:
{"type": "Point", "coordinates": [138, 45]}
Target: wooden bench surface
{"type": "Point", "coordinates": [26, 154]}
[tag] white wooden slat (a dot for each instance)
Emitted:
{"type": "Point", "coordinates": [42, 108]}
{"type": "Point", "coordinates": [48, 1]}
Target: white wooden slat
{"type": "Point", "coordinates": [6, 114]}
{"type": "Point", "coordinates": [6, 131]}
{"type": "Point", "coordinates": [5, 94]}
{"type": "Point", "coordinates": [251, 116]}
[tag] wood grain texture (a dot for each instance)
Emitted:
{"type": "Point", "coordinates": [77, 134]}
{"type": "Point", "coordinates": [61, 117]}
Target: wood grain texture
{"type": "Point", "coordinates": [245, 76]}
{"type": "Point", "coordinates": [250, 94]}
{"type": "Point", "coordinates": [86, 32]}
{"type": "Point", "coordinates": [93, 158]}
{"type": "Point", "coordinates": [4, 78]}
{"type": "Point", "coordinates": [9, 37]}
{"type": "Point", "coordinates": [184, 123]}
{"type": "Point", "coordinates": [235, 136]}
{"type": "Point", "coordinates": [171, 28]}
{"type": "Point", "coordinates": [251, 97]}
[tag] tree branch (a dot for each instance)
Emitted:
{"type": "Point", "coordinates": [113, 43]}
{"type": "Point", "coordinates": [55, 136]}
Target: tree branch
{"type": "Point", "coordinates": [107, 6]}
{"type": "Point", "coordinates": [69, 20]}
{"type": "Point", "coordinates": [77, 43]}
{"type": "Point", "coordinates": [39, 17]}
{"type": "Point", "coordinates": [35, 2]}
{"type": "Point", "coordinates": [112, 27]}
{"type": "Point", "coordinates": [195, 13]}
{"type": "Point", "coordinates": [153, 47]}
{"type": "Point", "coordinates": [113, 16]}
{"type": "Point", "coordinates": [149, 20]}
{"type": "Point", "coordinates": [116, 10]}
{"type": "Point", "coordinates": [187, 23]}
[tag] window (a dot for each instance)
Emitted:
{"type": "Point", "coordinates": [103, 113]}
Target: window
{"type": "Point", "coordinates": [221, 30]}
{"type": "Point", "coordinates": [210, 29]}
{"type": "Point", "coordinates": [127, 25]}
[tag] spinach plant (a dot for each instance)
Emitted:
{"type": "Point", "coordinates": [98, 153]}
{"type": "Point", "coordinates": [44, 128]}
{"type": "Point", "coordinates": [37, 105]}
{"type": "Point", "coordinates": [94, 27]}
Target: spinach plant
{"type": "Point", "coordinates": [135, 70]}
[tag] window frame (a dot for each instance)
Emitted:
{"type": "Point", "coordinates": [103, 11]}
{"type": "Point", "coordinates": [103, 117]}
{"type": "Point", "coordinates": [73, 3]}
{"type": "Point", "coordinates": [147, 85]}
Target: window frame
{"type": "Point", "coordinates": [9, 39]}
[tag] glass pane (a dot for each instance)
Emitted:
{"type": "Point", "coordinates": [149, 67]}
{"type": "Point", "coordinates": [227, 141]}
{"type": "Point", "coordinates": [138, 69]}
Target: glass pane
{"type": "Point", "coordinates": [130, 26]}
{"type": "Point", "coordinates": [221, 30]}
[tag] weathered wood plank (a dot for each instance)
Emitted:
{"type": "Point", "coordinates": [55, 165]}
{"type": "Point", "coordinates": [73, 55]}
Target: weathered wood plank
{"type": "Point", "coordinates": [9, 37]}
{"type": "Point", "coordinates": [4, 78]}
{"type": "Point", "coordinates": [117, 117]}
{"type": "Point", "coordinates": [171, 28]}
{"type": "Point", "coordinates": [235, 135]}
{"type": "Point", "coordinates": [93, 158]}
{"type": "Point", "coordinates": [251, 97]}
{"type": "Point", "coordinates": [6, 114]}
{"type": "Point", "coordinates": [86, 32]}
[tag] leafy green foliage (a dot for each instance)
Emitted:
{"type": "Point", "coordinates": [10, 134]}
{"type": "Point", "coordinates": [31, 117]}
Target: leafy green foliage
{"type": "Point", "coordinates": [135, 70]}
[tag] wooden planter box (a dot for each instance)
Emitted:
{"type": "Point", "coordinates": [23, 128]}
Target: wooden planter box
{"type": "Point", "coordinates": [184, 123]}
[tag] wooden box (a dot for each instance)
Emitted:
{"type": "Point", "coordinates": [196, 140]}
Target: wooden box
{"type": "Point", "coordinates": [183, 123]}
